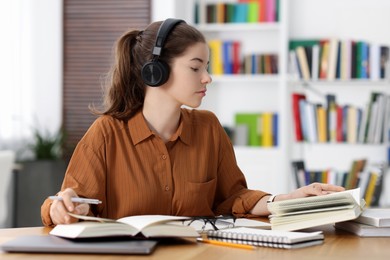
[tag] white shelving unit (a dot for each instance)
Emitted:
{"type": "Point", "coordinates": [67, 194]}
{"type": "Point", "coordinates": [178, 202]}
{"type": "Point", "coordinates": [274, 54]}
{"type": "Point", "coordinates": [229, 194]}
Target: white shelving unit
{"type": "Point", "coordinates": [346, 22]}
{"type": "Point", "coordinates": [347, 19]}
{"type": "Point", "coordinates": [269, 168]}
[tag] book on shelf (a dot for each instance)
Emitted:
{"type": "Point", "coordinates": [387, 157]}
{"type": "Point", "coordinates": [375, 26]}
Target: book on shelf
{"type": "Point", "coordinates": [253, 123]}
{"type": "Point", "coordinates": [339, 123]}
{"type": "Point", "coordinates": [132, 226]}
{"type": "Point", "coordinates": [345, 59]}
{"type": "Point", "coordinates": [332, 59]}
{"type": "Point", "coordinates": [353, 174]}
{"type": "Point", "coordinates": [384, 61]}
{"type": "Point", "coordinates": [324, 59]}
{"type": "Point", "coordinates": [315, 61]}
{"type": "Point", "coordinates": [216, 56]}
{"type": "Point", "coordinates": [311, 121]}
{"type": "Point", "coordinates": [331, 117]}
{"type": "Point", "coordinates": [303, 62]}
{"type": "Point", "coordinates": [296, 97]}
{"type": "Point", "coordinates": [293, 65]}
{"type": "Point", "coordinates": [322, 128]}
{"type": "Point", "coordinates": [362, 49]}
{"type": "Point", "coordinates": [267, 129]}
{"type": "Point", "coordinates": [374, 61]}
{"type": "Point", "coordinates": [373, 222]}
{"type": "Point", "coordinates": [299, 171]}
{"type": "Point", "coordinates": [372, 182]}
{"type": "Point", "coordinates": [296, 214]}
{"type": "Point", "coordinates": [267, 238]}
{"type": "Point", "coordinates": [253, 12]}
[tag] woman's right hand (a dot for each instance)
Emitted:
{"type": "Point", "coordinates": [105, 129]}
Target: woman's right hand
{"type": "Point", "coordinates": [59, 208]}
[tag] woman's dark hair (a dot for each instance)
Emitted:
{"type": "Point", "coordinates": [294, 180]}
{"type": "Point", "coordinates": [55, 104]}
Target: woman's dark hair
{"type": "Point", "coordinates": [125, 91]}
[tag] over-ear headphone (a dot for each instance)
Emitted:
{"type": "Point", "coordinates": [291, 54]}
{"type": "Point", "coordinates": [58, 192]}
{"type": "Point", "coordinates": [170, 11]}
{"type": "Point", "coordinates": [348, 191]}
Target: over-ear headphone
{"type": "Point", "coordinates": [156, 72]}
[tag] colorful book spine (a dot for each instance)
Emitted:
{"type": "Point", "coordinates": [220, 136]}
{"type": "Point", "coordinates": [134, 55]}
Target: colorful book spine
{"type": "Point", "coordinates": [241, 11]}
{"type": "Point", "coordinates": [262, 128]}
{"type": "Point", "coordinates": [267, 133]}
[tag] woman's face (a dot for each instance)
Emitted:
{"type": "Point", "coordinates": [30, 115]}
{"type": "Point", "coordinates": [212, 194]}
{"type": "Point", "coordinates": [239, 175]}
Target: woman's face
{"type": "Point", "coordinates": [189, 76]}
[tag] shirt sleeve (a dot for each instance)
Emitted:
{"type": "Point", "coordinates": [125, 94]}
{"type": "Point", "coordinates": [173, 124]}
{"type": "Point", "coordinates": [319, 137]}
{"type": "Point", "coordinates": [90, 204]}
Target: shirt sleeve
{"type": "Point", "coordinates": [233, 195]}
{"type": "Point", "coordinates": [85, 173]}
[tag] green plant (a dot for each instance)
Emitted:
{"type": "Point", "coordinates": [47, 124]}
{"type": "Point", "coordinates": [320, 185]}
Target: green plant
{"type": "Point", "coordinates": [48, 146]}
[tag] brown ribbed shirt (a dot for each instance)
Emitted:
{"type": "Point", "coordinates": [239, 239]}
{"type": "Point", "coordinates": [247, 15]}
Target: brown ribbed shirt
{"type": "Point", "coordinates": [133, 172]}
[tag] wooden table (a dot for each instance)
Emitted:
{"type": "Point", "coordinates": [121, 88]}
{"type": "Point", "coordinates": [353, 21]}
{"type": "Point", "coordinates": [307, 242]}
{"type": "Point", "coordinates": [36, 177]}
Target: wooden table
{"type": "Point", "coordinates": [338, 245]}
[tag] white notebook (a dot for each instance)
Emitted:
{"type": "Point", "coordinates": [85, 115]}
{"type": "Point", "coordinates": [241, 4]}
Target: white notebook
{"type": "Point", "coordinates": [268, 238]}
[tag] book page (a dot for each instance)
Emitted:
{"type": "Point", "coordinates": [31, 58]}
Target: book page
{"type": "Point", "coordinates": [92, 218]}
{"type": "Point", "coordinates": [337, 199]}
{"type": "Point", "coordinates": [139, 222]}
{"type": "Point", "coordinates": [142, 221]}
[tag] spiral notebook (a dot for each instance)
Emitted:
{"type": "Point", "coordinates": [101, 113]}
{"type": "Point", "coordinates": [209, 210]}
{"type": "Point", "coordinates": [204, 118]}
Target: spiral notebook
{"type": "Point", "coordinates": [268, 238]}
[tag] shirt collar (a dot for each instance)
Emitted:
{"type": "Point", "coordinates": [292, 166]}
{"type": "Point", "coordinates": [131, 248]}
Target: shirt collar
{"type": "Point", "coordinates": [184, 131]}
{"type": "Point", "coordinates": [140, 131]}
{"type": "Point", "coordinates": [138, 128]}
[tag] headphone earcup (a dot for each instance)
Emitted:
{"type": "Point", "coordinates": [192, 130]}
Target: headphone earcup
{"type": "Point", "coordinates": [155, 73]}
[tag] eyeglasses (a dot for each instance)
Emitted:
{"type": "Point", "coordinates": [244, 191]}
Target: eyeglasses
{"type": "Point", "coordinates": [202, 224]}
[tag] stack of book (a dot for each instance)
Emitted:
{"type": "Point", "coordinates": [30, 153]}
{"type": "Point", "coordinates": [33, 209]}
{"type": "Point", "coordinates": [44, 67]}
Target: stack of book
{"type": "Point", "coordinates": [373, 222]}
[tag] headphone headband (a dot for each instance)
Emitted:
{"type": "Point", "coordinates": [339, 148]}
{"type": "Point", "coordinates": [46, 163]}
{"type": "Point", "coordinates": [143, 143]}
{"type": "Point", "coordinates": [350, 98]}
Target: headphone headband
{"type": "Point", "coordinates": [155, 72]}
{"type": "Point", "coordinates": [162, 34]}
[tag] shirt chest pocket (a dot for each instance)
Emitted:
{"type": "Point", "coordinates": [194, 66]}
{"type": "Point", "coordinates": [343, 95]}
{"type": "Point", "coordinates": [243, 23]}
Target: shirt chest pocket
{"type": "Point", "coordinates": [195, 199]}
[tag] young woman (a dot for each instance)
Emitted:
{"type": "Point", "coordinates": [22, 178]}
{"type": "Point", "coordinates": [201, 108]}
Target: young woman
{"type": "Point", "coordinates": [146, 154]}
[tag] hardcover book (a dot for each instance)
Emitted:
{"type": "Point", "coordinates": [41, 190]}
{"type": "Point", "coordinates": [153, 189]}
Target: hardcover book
{"type": "Point", "coordinates": [378, 217]}
{"type": "Point", "coordinates": [363, 230]}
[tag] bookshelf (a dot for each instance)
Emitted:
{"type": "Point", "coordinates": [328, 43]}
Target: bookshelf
{"type": "Point", "coordinates": [269, 168]}
{"type": "Point", "coordinates": [355, 92]}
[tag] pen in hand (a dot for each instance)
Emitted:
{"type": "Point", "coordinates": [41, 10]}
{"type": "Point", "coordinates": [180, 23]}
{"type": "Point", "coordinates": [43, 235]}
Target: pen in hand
{"type": "Point", "coordinates": [78, 200]}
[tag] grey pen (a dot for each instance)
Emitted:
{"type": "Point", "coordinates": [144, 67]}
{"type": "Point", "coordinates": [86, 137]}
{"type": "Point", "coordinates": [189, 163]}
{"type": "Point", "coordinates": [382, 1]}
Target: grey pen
{"type": "Point", "coordinates": [78, 200]}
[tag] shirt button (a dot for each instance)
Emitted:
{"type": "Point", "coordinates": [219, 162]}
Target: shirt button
{"type": "Point", "coordinates": [166, 188]}
{"type": "Point", "coordinates": [164, 157]}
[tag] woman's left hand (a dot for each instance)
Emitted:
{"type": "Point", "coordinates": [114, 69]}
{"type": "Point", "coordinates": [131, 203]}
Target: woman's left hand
{"type": "Point", "coordinates": [315, 189]}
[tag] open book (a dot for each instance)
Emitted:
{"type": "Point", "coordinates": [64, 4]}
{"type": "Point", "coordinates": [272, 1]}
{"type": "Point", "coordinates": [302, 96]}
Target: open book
{"type": "Point", "coordinates": [143, 225]}
{"type": "Point", "coordinates": [314, 211]}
